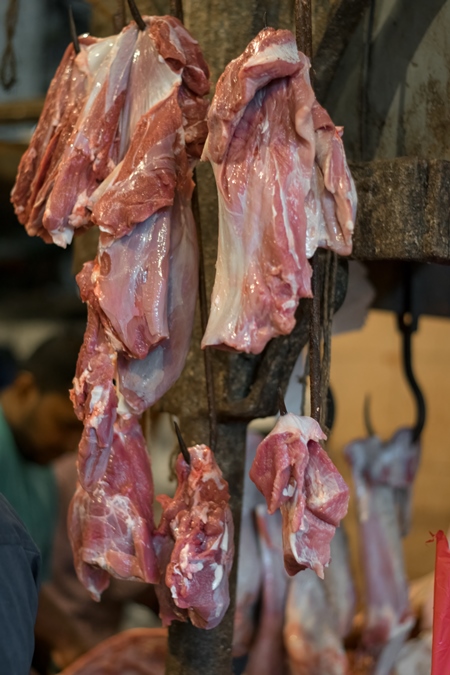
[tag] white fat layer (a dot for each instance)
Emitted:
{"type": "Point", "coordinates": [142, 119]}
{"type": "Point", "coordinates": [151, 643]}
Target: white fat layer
{"type": "Point", "coordinates": [218, 575]}
{"type": "Point", "coordinates": [213, 475]}
{"type": "Point", "coordinates": [224, 542]}
{"type": "Point", "coordinates": [96, 395]}
{"type": "Point", "coordinates": [289, 491]}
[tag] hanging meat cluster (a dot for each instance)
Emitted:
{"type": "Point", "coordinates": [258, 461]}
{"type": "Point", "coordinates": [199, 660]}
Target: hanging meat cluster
{"type": "Point", "coordinates": [124, 123]}
{"type": "Point", "coordinates": [285, 624]}
{"type": "Point", "coordinates": [284, 188]}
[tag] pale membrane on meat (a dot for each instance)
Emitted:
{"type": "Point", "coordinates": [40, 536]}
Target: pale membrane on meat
{"type": "Point", "coordinates": [92, 154]}
{"type": "Point", "coordinates": [284, 188]}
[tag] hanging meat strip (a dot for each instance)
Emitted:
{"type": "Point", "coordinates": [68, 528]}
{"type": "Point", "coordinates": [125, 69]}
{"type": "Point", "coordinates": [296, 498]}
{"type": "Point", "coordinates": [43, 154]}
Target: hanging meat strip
{"type": "Point", "coordinates": [284, 188]}
{"type": "Point", "coordinates": [296, 475]}
{"type": "Point", "coordinates": [111, 526]}
{"type": "Point", "coordinates": [195, 543]}
{"type": "Point", "coordinates": [383, 474]}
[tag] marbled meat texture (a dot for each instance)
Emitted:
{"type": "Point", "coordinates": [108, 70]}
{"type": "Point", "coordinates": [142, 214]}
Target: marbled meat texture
{"type": "Point", "coordinates": [195, 543]}
{"type": "Point", "coordinates": [284, 188]}
{"type": "Point", "coordinates": [111, 527]}
{"type": "Point", "coordinates": [295, 474]}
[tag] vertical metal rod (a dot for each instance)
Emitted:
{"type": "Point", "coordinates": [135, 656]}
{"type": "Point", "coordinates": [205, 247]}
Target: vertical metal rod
{"type": "Point", "coordinates": [209, 376]}
{"type": "Point", "coordinates": [176, 9]}
{"type": "Point", "coordinates": [303, 33]}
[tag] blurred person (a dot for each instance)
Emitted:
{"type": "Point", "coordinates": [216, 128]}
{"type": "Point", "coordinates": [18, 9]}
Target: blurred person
{"type": "Point", "coordinates": [19, 583]}
{"type": "Point", "coordinates": [8, 367]}
{"type": "Point", "coordinates": [37, 425]}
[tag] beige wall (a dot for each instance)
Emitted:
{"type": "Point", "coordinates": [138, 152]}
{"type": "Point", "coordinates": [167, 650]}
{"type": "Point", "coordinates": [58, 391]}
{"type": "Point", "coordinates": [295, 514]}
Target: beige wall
{"type": "Point", "coordinates": [369, 362]}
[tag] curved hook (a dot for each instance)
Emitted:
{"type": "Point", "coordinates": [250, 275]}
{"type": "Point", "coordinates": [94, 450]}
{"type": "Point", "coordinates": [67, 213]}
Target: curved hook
{"type": "Point", "coordinates": [407, 322]}
{"type": "Point", "coordinates": [135, 13]}
{"type": "Point", "coordinates": [367, 421]}
{"type": "Point", "coordinates": [73, 31]}
{"type": "Point", "coordinates": [182, 444]}
{"type": "Point", "coordinates": [281, 404]}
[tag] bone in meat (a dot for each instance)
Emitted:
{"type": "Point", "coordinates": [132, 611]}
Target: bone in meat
{"type": "Point", "coordinates": [278, 173]}
{"type": "Point", "coordinates": [296, 475]}
{"type": "Point", "coordinates": [197, 530]}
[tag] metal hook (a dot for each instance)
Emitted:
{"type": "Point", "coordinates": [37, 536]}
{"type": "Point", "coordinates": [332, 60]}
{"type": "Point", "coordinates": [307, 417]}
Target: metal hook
{"type": "Point", "coordinates": [182, 444]}
{"type": "Point", "coordinates": [135, 13]}
{"type": "Point", "coordinates": [367, 421]}
{"type": "Point", "coordinates": [407, 322]}
{"type": "Point", "coordinates": [281, 404]}
{"type": "Point", "coordinates": [73, 31]}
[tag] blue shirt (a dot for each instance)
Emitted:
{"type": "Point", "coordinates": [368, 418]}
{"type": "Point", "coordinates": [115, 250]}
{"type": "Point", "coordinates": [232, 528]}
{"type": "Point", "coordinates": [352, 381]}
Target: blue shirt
{"type": "Point", "coordinates": [31, 490]}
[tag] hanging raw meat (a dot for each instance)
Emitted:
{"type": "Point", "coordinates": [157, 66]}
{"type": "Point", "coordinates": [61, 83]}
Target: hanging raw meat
{"type": "Point", "coordinates": [295, 474]}
{"type": "Point", "coordinates": [383, 474]}
{"type": "Point", "coordinates": [111, 526]}
{"type": "Point", "coordinates": [195, 543]}
{"type": "Point", "coordinates": [284, 188]}
{"type": "Point", "coordinates": [267, 653]}
{"type": "Point", "coordinates": [441, 611]}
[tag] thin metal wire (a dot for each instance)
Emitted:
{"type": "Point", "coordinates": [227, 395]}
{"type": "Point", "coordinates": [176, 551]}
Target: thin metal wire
{"type": "Point", "coordinates": [135, 13]}
{"type": "Point", "coordinates": [73, 31]}
{"type": "Point", "coordinates": [176, 9]}
{"type": "Point", "coordinates": [182, 444]}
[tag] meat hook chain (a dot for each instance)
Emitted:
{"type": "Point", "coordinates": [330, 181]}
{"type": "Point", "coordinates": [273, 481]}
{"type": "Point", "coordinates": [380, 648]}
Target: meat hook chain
{"type": "Point", "coordinates": [73, 31]}
{"type": "Point", "coordinates": [176, 9]}
{"type": "Point", "coordinates": [135, 13]}
{"type": "Point", "coordinates": [182, 444]}
{"type": "Point", "coordinates": [8, 65]}
{"type": "Point", "coordinates": [327, 323]}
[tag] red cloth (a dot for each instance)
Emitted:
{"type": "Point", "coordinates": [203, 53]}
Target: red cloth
{"type": "Point", "coordinates": [441, 615]}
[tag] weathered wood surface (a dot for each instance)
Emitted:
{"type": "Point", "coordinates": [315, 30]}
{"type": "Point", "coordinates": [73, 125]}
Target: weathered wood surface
{"type": "Point", "coordinates": [403, 211]}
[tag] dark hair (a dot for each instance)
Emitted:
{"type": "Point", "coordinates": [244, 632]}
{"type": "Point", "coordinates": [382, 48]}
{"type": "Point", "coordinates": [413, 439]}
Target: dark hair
{"type": "Point", "coordinates": [8, 367]}
{"type": "Point", "coordinates": [54, 361]}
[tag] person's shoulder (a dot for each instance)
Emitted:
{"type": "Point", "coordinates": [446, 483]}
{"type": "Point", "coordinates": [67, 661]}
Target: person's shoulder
{"type": "Point", "coordinates": [12, 530]}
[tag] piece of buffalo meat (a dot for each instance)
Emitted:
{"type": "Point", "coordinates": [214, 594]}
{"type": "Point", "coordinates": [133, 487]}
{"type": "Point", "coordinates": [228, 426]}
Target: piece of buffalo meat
{"type": "Point", "coordinates": [295, 474]}
{"type": "Point", "coordinates": [111, 527]}
{"type": "Point", "coordinates": [380, 470]}
{"type": "Point", "coordinates": [267, 655]}
{"type": "Point", "coordinates": [284, 188]}
{"type": "Point", "coordinates": [195, 543]}
{"type": "Point", "coordinates": [312, 644]}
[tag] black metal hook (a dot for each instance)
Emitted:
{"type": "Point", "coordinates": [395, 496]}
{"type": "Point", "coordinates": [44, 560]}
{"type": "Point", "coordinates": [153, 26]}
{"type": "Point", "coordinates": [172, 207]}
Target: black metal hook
{"type": "Point", "coordinates": [135, 13]}
{"type": "Point", "coordinates": [407, 322]}
{"type": "Point", "coordinates": [182, 444]}
{"type": "Point", "coordinates": [281, 404]}
{"type": "Point", "coordinates": [73, 31]}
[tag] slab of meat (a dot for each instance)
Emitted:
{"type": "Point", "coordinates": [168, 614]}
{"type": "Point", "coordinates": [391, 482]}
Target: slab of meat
{"type": "Point", "coordinates": [339, 586]}
{"type": "Point", "coordinates": [267, 655]}
{"type": "Point", "coordinates": [441, 642]}
{"type": "Point", "coordinates": [92, 152]}
{"type": "Point", "coordinates": [296, 475]}
{"type": "Point", "coordinates": [143, 382]}
{"type": "Point", "coordinates": [249, 571]}
{"type": "Point", "coordinates": [284, 187]}
{"type": "Point", "coordinates": [379, 469]}
{"type": "Point", "coordinates": [95, 401]}
{"type": "Point", "coordinates": [139, 651]}
{"type": "Point", "coordinates": [195, 543]}
{"type": "Point", "coordinates": [312, 644]}
{"type": "Point", "coordinates": [111, 527]}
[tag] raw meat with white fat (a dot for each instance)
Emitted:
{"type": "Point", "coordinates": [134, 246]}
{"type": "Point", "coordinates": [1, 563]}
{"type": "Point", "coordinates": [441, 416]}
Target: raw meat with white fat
{"type": "Point", "coordinates": [195, 543]}
{"type": "Point", "coordinates": [295, 474]}
{"type": "Point", "coordinates": [379, 471]}
{"type": "Point", "coordinates": [111, 527]}
{"type": "Point", "coordinates": [284, 188]}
